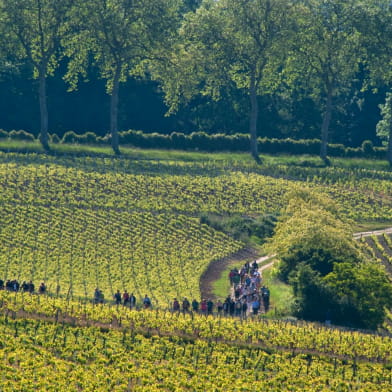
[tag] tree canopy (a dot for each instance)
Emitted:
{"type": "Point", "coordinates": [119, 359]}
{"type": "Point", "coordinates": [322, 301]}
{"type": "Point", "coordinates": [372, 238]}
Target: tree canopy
{"type": "Point", "coordinates": [270, 68]}
{"type": "Point", "coordinates": [35, 30]}
{"type": "Point", "coordinates": [331, 277]}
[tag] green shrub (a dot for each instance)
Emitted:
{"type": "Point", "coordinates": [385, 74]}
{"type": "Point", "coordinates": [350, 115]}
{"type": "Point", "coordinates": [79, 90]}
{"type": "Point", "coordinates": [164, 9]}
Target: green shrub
{"type": "Point", "coordinates": [21, 135]}
{"type": "Point", "coordinates": [103, 139]}
{"type": "Point", "coordinates": [221, 142]}
{"type": "Point", "coordinates": [336, 150]}
{"type": "Point", "coordinates": [54, 138]}
{"type": "Point", "coordinates": [379, 152]}
{"type": "Point", "coordinates": [69, 137]}
{"type": "Point", "coordinates": [3, 134]}
{"type": "Point", "coordinates": [179, 141]}
{"type": "Point", "coordinates": [156, 140]}
{"type": "Point", "coordinates": [84, 138]}
{"type": "Point", "coordinates": [367, 148]}
{"type": "Point", "coordinates": [243, 228]}
{"type": "Point", "coordinates": [88, 138]}
{"type": "Point", "coordinates": [201, 141]}
{"type": "Point", "coordinates": [240, 142]}
{"type": "Point", "coordinates": [131, 137]}
{"type": "Point", "coordinates": [352, 152]}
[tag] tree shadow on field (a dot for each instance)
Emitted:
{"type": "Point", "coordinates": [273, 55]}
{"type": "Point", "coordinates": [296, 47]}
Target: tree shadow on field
{"type": "Point", "coordinates": [107, 163]}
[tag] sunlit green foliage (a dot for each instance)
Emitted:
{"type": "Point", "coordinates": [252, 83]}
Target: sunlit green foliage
{"type": "Point", "coordinates": [331, 276]}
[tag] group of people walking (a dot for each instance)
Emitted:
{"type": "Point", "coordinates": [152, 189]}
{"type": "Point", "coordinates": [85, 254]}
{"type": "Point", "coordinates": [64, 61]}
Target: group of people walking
{"type": "Point", "coordinates": [130, 300]}
{"type": "Point", "coordinates": [248, 296]}
{"type": "Point", "coordinates": [27, 287]}
{"type": "Point", "coordinates": [127, 299]}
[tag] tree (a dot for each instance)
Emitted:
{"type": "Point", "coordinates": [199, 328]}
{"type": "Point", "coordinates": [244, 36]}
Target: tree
{"type": "Point", "coordinates": [312, 231]}
{"type": "Point", "coordinates": [313, 299]}
{"type": "Point", "coordinates": [377, 38]}
{"type": "Point", "coordinates": [327, 49]}
{"type": "Point", "coordinates": [363, 293]}
{"type": "Point", "coordinates": [37, 27]}
{"type": "Point", "coordinates": [226, 42]}
{"type": "Point", "coordinates": [327, 268]}
{"type": "Point", "coordinates": [121, 35]}
{"type": "Point", "coordinates": [384, 126]}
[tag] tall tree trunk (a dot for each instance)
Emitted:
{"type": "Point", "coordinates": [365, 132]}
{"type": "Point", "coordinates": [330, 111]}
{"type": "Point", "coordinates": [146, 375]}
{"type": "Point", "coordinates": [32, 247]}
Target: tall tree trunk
{"type": "Point", "coordinates": [44, 137]}
{"type": "Point", "coordinates": [389, 151]}
{"type": "Point", "coordinates": [325, 125]}
{"type": "Point", "coordinates": [114, 111]}
{"type": "Point", "coordinates": [254, 111]}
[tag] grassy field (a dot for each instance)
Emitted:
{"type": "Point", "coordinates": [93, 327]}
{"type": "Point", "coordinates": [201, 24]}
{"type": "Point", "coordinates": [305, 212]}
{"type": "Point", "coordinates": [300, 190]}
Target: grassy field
{"type": "Point", "coordinates": [79, 221]}
{"type": "Point", "coordinates": [84, 218]}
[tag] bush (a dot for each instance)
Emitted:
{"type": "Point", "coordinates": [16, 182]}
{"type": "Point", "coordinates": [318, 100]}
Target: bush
{"type": "Point", "coordinates": [179, 141]}
{"type": "Point", "coordinates": [337, 150]}
{"type": "Point", "coordinates": [69, 137]}
{"type": "Point", "coordinates": [54, 138]}
{"type": "Point", "coordinates": [156, 140]}
{"type": "Point", "coordinates": [240, 142]}
{"type": "Point", "coordinates": [131, 137]}
{"type": "Point", "coordinates": [88, 138]}
{"type": "Point", "coordinates": [84, 138]}
{"type": "Point", "coordinates": [3, 134]}
{"type": "Point", "coordinates": [353, 152]}
{"type": "Point", "coordinates": [289, 146]}
{"type": "Point", "coordinates": [221, 142]}
{"type": "Point", "coordinates": [367, 148]}
{"type": "Point", "coordinates": [201, 141]}
{"type": "Point", "coordinates": [380, 152]}
{"type": "Point", "coordinates": [103, 139]}
{"type": "Point", "coordinates": [242, 228]}
{"type": "Point", "coordinates": [21, 135]}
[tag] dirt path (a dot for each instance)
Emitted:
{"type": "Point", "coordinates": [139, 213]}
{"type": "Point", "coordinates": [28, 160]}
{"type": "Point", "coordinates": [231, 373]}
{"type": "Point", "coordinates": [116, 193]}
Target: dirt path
{"type": "Point", "coordinates": [216, 268]}
{"type": "Point", "coordinates": [266, 266]}
{"type": "Point", "coordinates": [357, 236]}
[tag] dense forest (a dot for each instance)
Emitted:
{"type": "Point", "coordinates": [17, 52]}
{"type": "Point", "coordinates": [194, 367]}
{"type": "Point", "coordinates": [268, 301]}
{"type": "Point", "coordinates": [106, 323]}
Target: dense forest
{"type": "Point", "coordinates": [275, 68]}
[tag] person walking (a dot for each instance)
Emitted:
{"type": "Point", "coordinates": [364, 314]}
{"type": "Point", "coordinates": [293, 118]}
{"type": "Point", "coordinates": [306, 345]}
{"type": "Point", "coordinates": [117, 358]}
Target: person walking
{"type": "Point", "coordinates": [146, 302]}
{"type": "Point", "coordinates": [125, 298]}
{"type": "Point", "coordinates": [266, 298]}
{"type": "Point", "coordinates": [195, 306]}
{"type": "Point", "coordinates": [185, 305]}
{"type": "Point", "coordinates": [255, 305]}
{"type": "Point", "coordinates": [176, 305]}
{"type": "Point", "coordinates": [210, 306]}
{"type": "Point", "coordinates": [226, 306]}
{"type": "Point", "coordinates": [219, 307]}
{"type": "Point", "coordinates": [244, 307]}
{"type": "Point", "coordinates": [117, 297]}
{"type": "Point", "coordinates": [132, 301]}
{"type": "Point", "coordinates": [203, 306]}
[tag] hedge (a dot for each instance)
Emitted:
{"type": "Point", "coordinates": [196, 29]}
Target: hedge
{"type": "Point", "coordinates": [211, 143]}
{"type": "Point", "coordinates": [21, 135]}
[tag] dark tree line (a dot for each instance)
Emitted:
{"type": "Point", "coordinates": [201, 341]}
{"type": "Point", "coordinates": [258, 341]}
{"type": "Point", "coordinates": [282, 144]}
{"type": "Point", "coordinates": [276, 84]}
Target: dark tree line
{"type": "Point", "coordinates": [276, 68]}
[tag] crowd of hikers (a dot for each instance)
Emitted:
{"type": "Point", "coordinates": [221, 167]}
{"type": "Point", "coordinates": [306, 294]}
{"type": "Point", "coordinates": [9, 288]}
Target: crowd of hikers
{"type": "Point", "coordinates": [248, 296]}
{"type": "Point", "coordinates": [248, 291]}
{"type": "Point", "coordinates": [27, 287]}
